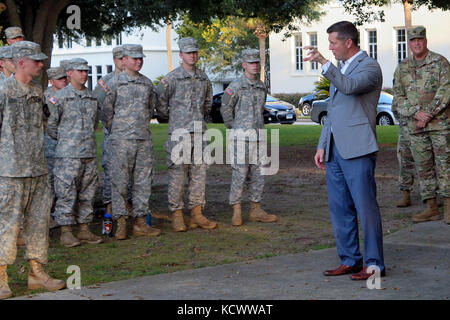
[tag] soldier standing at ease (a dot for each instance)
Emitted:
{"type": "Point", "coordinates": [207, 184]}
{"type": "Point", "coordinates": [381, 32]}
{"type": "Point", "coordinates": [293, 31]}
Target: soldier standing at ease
{"type": "Point", "coordinates": [100, 92]}
{"type": "Point", "coordinates": [72, 123]}
{"type": "Point", "coordinates": [6, 62]}
{"type": "Point", "coordinates": [127, 112]}
{"type": "Point", "coordinates": [13, 35]}
{"type": "Point", "coordinates": [185, 96]}
{"type": "Point", "coordinates": [58, 80]}
{"type": "Point", "coordinates": [24, 183]}
{"type": "Point", "coordinates": [242, 108]}
{"type": "Point", "coordinates": [422, 95]}
{"type": "Point", "coordinates": [405, 162]}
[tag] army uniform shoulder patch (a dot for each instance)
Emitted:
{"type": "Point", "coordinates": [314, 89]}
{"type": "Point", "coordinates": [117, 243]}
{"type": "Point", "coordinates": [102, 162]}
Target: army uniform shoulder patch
{"type": "Point", "coordinates": [229, 91]}
{"type": "Point", "coordinates": [103, 85]}
{"type": "Point", "coordinates": [53, 100]}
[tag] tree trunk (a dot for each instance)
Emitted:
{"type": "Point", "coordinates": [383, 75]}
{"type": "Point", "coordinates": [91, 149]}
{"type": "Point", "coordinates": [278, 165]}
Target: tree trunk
{"type": "Point", "coordinates": [261, 34]}
{"type": "Point", "coordinates": [169, 44]}
{"type": "Point", "coordinates": [408, 20]}
{"type": "Point", "coordinates": [262, 55]}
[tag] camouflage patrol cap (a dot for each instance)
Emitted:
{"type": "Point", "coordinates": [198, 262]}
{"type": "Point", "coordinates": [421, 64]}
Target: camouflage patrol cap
{"type": "Point", "coordinates": [251, 55]}
{"type": "Point", "coordinates": [133, 50]}
{"type": "Point", "coordinates": [418, 32]}
{"type": "Point", "coordinates": [117, 52]}
{"type": "Point", "coordinates": [64, 64]}
{"type": "Point", "coordinates": [188, 44]}
{"type": "Point", "coordinates": [5, 52]}
{"type": "Point", "coordinates": [13, 32]}
{"type": "Point", "coordinates": [56, 73]}
{"type": "Point", "coordinates": [78, 64]}
{"type": "Point", "coordinates": [27, 49]}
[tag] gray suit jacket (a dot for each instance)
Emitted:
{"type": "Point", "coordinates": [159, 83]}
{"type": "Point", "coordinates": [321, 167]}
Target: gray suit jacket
{"type": "Point", "coordinates": [352, 110]}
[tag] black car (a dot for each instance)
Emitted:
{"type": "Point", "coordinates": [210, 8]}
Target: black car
{"type": "Point", "coordinates": [275, 111]}
{"type": "Point", "coordinates": [305, 103]}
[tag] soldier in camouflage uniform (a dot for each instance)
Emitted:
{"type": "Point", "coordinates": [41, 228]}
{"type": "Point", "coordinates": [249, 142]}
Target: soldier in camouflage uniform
{"type": "Point", "coordinates": [185, 96]}
{"type": "Point", "coordinates": [58, 80]}
{"type": "Point", "coordinates": [13, 35]}
{"type": "Point", "coordinates": [128, 108]}
{"type": "Point", "coordinates": [242, 108]}
{"type": "Point", "coordinates": [100, 92]}
{"type": "Point", "coordinates": [422, 95]}
{"type": "Point", "coordinates": [405, 162]}
{"type": "Point", "coordinates": [24, 184]}
{"type": "Point", "coordinates": [72, 122]}
{"type": "Point", "coordinates": [7, 63]}
{"type": "Point", "coordinates": [65, 65]}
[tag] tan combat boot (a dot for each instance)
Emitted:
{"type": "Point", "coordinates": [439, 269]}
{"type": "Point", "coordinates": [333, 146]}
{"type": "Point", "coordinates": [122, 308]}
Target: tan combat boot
{"type": "Point", "coordinates": [405, 200]}
{"type": "Point", "coordinates": [67, 238]}
{"type": "Point", "coordinates": [86, 236]}
{"type": "Point", "coordinates": [199, 220]}
{"type": "Point", "coordinates": [20, 239]}
{"type": "Point", "coordinates": [5, 291]}
{"type": "Point", "coordinates": [259, 215]}
{"type": "Point", "coordinates": [236, 220]}
{"type": "Point", "coordinates": [141, 228]}
{"type": "Point", "coordinates": [109, 208]}
{"type": "Point", "coordinates": [430, 214]}
{"type": "Point", "coordinates": [447, 210]}
{"type": "Point", "coordinates": [121, 231]}
{"type": "Point", "coordinates": [178, 221]}
{"type": "Point", "coordinates": [38, 279]}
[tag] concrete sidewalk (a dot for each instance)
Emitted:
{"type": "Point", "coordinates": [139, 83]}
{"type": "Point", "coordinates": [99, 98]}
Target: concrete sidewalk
{"type": "Point", "coordinates": [417, 260]}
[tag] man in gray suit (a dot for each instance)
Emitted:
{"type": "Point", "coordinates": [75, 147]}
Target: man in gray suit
{"type": "Point", "coordinates": [347, 150]}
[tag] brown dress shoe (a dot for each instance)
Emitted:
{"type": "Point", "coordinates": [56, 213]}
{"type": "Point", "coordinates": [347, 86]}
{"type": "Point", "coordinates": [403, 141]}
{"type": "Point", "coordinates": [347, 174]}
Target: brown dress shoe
{"type": "Point", "coordinates": [364, 275]}
{"type": "Point", "coordinates": [342, 269]}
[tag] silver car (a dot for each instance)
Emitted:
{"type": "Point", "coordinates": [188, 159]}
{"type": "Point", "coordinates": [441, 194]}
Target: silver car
{"type": "Point", "coordinates": [385, 117]}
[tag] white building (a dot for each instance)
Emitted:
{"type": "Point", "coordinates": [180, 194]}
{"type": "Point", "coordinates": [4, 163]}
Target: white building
{"type": "Point", "coordinates": [98, 53]}
{"type": "Point", "coordinates": [384, 41]}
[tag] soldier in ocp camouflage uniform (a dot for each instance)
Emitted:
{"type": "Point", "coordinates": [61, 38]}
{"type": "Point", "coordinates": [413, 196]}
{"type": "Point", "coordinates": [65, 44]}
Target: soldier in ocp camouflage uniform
{"type": "Point", "coordinates": [185, 96]}
{"type": "Point", "coordinates": [127, 112]}
{"type": "Point", "coordinates": [58, 80]}
{"type": "Point", "coordinates": [405, 162]}
{"type": "Point", "coordinates": [72, 122]}
{"type": "Point", "coordinates": [422, 95]}
{"type": "Point", "coordinates": [24, 184]}
{"type": "Point", "coordinates": [242, 109]}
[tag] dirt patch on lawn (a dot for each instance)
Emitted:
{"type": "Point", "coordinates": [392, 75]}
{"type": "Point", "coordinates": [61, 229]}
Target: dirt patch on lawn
{"type": "Point", "coordinates": [297, 194]}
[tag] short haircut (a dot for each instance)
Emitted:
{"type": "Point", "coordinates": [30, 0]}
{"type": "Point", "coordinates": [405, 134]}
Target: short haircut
{"type": "Point", "coordinates": [345, 30]}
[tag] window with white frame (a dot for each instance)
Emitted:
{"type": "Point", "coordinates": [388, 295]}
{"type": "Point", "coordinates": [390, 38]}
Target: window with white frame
{"type": "Point", "coordinates": [401, 44]}
{"type": "Point", "coordinates": [119, 39]}
{"type": "Point", "coordinates": [313, 43]}
{"type": "Point", "coordinates": [372, 44]}
{"type": "Point", "coordinates": [298, 52]}
{"type": "Point", "coordinates": [98, 42]}
{"type": "Point", "coordinates": [109, 68]}
{"type": "Point", "coordinates": [90, 78]}
{"type": "Point", "coordinates": [98, 69]}
{"type": "Point", "coordinates": [69, 43]}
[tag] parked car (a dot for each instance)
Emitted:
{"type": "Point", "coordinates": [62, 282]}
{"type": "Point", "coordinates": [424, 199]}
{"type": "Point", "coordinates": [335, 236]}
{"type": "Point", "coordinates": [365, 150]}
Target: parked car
{"type": "Point", "coordinates": [305, 102]}
{"type": "Point", "coordinates": [385, 117]}
{"type": "Point", "coordinates": [275, 111]}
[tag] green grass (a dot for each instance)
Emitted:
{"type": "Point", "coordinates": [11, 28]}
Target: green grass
{"type": "Point", "coordinates": [289, 135]}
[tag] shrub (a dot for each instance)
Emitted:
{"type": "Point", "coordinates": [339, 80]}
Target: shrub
{"type": "Point", "coordinates": [292, 98]}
